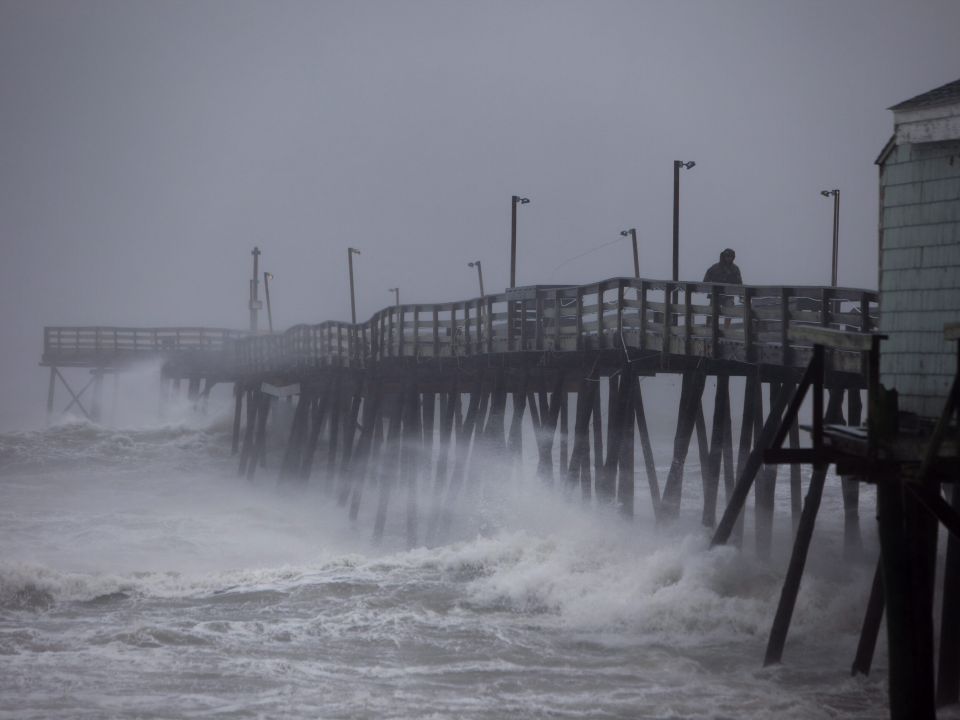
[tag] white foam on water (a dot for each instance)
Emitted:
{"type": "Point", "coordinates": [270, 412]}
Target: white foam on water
{"type": "Point", "coordinates": [142, 577]}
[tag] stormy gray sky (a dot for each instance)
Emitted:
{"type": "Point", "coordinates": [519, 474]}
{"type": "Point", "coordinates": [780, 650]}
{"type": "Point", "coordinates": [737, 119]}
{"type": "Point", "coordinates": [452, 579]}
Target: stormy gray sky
{"type": "Point", "coordinates": [145, 147]}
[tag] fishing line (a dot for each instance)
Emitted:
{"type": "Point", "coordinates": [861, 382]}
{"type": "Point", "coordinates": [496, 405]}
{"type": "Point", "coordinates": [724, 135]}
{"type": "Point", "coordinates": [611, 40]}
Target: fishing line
{"type": "Point", "coordinates": [586, 252]}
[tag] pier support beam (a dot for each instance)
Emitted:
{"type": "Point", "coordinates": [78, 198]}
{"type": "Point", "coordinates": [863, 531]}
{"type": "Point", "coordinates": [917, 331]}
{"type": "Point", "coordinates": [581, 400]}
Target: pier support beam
{"type": "Point", "coordinates": [909, 620]}
{"type": "Point", "coordinates": [650, 464]}
{"type": "Point", "coordinates": [690, 394]}
{"type": "Point", "coordinates": [718, 432]}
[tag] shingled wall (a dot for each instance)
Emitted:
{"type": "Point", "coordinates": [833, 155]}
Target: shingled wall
{"type": "Point", "coordinates": [919, 270]}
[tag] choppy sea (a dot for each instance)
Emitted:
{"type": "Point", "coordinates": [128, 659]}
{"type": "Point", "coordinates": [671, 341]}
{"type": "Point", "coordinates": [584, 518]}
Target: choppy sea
{"type": "Point", "coordinates": [141, 578]}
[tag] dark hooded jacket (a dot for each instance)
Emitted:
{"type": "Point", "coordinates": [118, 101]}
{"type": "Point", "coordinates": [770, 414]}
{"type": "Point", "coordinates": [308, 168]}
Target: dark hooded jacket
{"type": "Point", "coordinates": [726, 274]}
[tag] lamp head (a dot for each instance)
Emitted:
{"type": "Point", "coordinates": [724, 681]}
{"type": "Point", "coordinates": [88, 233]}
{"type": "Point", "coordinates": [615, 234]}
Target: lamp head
{"type": "Point", "coordinates": [828, 193]}
{"type": "Point", "coordinates": [268, 275]}
{"type": "Point", "coordinates": [353, 250]}
{"type": "Point", "coordinates": [682, 164]}
{"type": "Point", "coordinates": [474, 263]}
{"type": "Point", "coordinates": [624, 233]}
{"type": "Point", "coordinates": [521, 200]}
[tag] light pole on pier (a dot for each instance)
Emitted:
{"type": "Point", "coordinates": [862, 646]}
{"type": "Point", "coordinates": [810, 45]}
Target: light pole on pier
{"type": "Point", "coordinates": [396, 295]}
{"type": "Point", "coordinates": [267, 277]}
{"type": "Point", "coordinates": [632, 232]}
{"type": "Point", "coordinates": [514, 201]}
{"type": "Point", "coordinates": [353, 298]}
{"type": "Point", "coordinates": [255, 304]}
{"type": "Point", "coordinates": [836, 231]}
{"type": "Point", "coordinates": [479, 273]}
{"type": "Point", "coordinates": [677, 164]}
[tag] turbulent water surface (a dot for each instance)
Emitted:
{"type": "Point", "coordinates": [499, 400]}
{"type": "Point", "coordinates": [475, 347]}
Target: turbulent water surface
{"type": "Point", "coordinates": [140, 578]}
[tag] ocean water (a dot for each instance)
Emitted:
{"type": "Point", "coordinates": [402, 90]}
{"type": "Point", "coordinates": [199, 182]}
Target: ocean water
{"type": "Point", "coordinates": [141, 578]}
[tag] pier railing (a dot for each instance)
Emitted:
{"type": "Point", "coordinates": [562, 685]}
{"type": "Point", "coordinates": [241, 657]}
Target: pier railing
{"type": "Point", "coordinates": [737, 323]}
{"type": "Point", "coordinates": [746, 323]}
{"type": "Point", "coordinates": [104, 346]}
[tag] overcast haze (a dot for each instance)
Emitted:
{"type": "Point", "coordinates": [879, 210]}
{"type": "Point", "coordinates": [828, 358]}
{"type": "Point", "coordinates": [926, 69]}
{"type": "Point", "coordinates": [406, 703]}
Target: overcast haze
{"type": "Point", "coordinates": [145, 148]}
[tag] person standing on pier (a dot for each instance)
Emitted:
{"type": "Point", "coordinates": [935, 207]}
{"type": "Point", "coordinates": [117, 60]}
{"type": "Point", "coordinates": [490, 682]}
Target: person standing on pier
{"type": "Point", "coordinates": [725, 272]}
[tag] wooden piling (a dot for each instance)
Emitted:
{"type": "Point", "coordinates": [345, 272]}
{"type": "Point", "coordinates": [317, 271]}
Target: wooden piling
{"type": "Point", "coordinates": [748, 473]}
{"type": "Point", "coordinates": [871, 625]}
{"type": "Point", "coordinates": [335, 422]}
{"type": "Point", "coordinates": [578, 471]}
{"type": "Point", "coordinates": [448, 412]}
{"type": "Point", "coordinates": [548, 431]}
{"type": "Point", "coordinates": [259, 451]}
{"type": "Point", "coordinates": [237, 413]}
{"type": "Point", "coordinates": [51, 388]}
{"type": "Point", "coordinates": [319, 413]}
{"type": "Point", "coordinates": [765, 488]}
{"type": "Point", "coordinates": [293, 454]}
{"type": "Point", "coordinates": [597, 420]}
{"type": "Point", "coordinates": [410, 458]}
{"type": "Point", "coordinates": [798, 559]}
{"type": "Point", "coordinates": [461, 453]}
{"type": "Point", "coordinates": [96, 406]}
{"type": "Point", "coordinates": [564, 426]}
{"type": "Point", "coordinates": [850, 486]}
{"type": "Point", "coordinates": [246, 451]}
{"type": "Point", "coordinates": [690, 394]}
{"type": "Point", "coordinates": [493, 431]}
{"type": "Point", "coordinates": [515, 436]}
{"type": "Point", "coordinates": [909, 625]}
{"type": "Point", "coordinates": [721, 412]}
{"type": "Point", "coordinates": [627, 454]}
{"type": "Point", "coordinates": [365, 455]}
{"type": "Point", "coordinates": [747, 424]}
{"type": "Point", "coordinates": [607, 480]}
{"type": "Point", "coordinates": [390, 464]}
{"type": "Point", "coordinates": [645, 445]}
{"type": "Point", "coordinates": [948, 671]}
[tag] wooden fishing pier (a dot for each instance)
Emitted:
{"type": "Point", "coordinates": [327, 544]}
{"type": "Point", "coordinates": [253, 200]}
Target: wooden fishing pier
{"type": "Point", "coordinates": [417, 400]}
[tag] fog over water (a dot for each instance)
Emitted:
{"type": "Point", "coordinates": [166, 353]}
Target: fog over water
{"type": "Point", "coordinates": [145, 148]}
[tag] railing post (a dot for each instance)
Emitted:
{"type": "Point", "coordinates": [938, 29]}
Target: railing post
{"type": "Point", "coordinates": [416, 331]}
{"type": "Point", "coordinates": [601, 330]}
{"type": "Point", "coordinates": [668, 290]}
{"type": "Point", "coordinates": [687, 318]}
{"type": "Point", "coordinates": [390, 331]}
{"type": "Point", "coordinates": [558, 326]}
{"type": "Point", "coordinates": [467, 334]}
{"type": "Point", "coordinates": [579, 309]}
{"type": "Point", "coordinates": [489, 323]}
{"type": "Point", "coordinates": [436, 331]}
{"type": "Point", "coordinates": [826, 297]}
{"type": "Point", "coordinates": [453, 330]}
{"type": "Point", "coordinates": [540, 320]}
{"type": "Point", "coordinates": [786, 350]}
{"type": "Point", "coordinates": [748, 339]}
{"type": "Point", "coordinates": [620, 293]}
{"type": "Point", "coordinates": [716, 306]}
{"type": "Point", "coordinates": [643, 315]}
{"type": "Point", "coordinates": [522, 307]}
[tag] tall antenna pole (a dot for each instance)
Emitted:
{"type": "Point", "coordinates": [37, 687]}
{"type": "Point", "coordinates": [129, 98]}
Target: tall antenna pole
{"type": "Point", "coordinates": [254, 283]}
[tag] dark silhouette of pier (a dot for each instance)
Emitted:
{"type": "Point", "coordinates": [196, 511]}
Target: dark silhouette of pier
{"type": "Point", "coordinates": [410, 404]}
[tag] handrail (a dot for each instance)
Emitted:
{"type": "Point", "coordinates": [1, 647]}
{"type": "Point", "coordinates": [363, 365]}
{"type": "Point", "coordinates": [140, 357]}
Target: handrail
{"type": "Point", "coordinates": [746, 323]}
